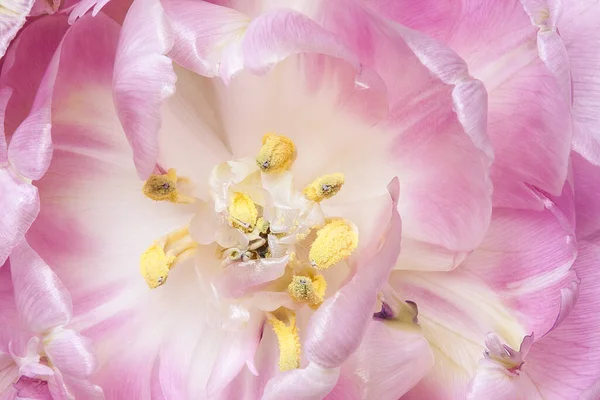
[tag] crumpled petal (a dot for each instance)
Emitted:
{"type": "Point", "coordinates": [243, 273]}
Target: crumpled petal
{"type": "Point", "coordinates": [83, 6]}
{"type": "Point", "coordinates": [71, 353]}
{"type": "Point", "coordinates": [143, 79]}
{"type": "Point", "coordinates": [42, 300]}
{"type": "Point", "coordinates": [494, 382]}
{"type": "Point", "coordinates": [12, 18]}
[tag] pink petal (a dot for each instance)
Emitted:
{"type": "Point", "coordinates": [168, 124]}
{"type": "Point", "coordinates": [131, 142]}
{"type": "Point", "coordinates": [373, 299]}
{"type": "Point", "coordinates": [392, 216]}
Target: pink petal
{"type": "Point", "coordinates": [31, 388]}
{"type": "Point", "coordinates": [20, 206]}
{"type": "Point", "coordinates": [336, 329]}
{"type": "Point", "coordinates": [312, 382]}
{"type": "Point", "coordinates": [41, 37]}
{"type": "Point", "coordinates": [11, 20]}
{"type": "Point", "coordinates": [437, 108]}
{"type": "Point", "coordinates": [587, 186]}
{"type": "Point", "coordinates": [567, 360]}
{"type": "Point", "coordinates": [240, 278]}
{"type": "Point", "coordinates": [591, 393]}
{"type": "Point", "coordinates": [42, 300]}
{"type": "Point", "coordinates": [71, 353]}
{"type": "Point", "coordinates": [236, 350]}
{"type": "Point", "coordinates": [41, 7]}
{"type": "Point", "coordinates": [143, 79]}
{"type": "Point", "coordinates": [207, 37]}
{"type": "Point", "coordinates": [545, 243]}
{"type": "Point", "coordinates": [394, 360]}
{"type": "Point", "coordinates": [5, 94]}
{"type": "Point", "coordinates": [276, 35]}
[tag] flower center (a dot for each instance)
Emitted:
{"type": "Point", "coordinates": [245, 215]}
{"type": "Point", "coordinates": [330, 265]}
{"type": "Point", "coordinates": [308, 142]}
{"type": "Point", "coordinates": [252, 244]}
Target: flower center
{"type": "Point", "coordinates": [259, 219]}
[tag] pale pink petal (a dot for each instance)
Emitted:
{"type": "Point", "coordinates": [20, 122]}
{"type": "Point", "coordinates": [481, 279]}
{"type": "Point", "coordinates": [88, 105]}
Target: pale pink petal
{"type": "Point", "coordinates": [336, 329]}
{"type": "Point", "coordinates": [20, 205]}
{"type": "Point", "coordinates": [591, 393]}
{"type": "Point", "coordinates": [312, 382]}
{"type": "Point", "coordinates": [393, 360]}
{"type": "Point", "coordinates": [12, 18]}
{"type": "Point", "coordinates": [143, 79]}
{"type": "Point", "coordinates": [207, 37]}
{"type": "Point", "coordinates": [434, 105]}
{"type": "Point", "coordinates": [544, 242]}
{"type": "Point", "coordinates": [71, 353]}
{"type": "Point", "coordinates": [41, 7]}
{"type": "Point", "coordinates": [492, 381]}
{"type": "Point", "coordinates": [240, 278]}
{"type": "Point", "coordinates": [5, 94]}
{"type": "Point", "coordinates": [567, 360]}
{"type": "Point", "coordinates": [83, 6]}
{"type": "Point", "coordinates": [237, 349]}
{"type": "Point", "coordinates": [276, 35]}
{"type": "Point", "coordinates": [42, 300]}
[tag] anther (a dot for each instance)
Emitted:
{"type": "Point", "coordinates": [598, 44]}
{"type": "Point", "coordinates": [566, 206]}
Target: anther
{"type": "Point", "coordinates": [283, 322]}
{"type": "Point", "coordinates": [163, 187]}
{"type": "Point", "coordinates": [307, 289]}
{"type": "Point", "coordinates": [277, 153]}
{"type": "Point", "coordinates": [335, 242]}
{"type": "Point", "coordinates": [324, 187]}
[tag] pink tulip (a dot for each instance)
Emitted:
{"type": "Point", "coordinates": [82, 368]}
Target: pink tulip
{"type": "Point", "coordinates": [342, 199]}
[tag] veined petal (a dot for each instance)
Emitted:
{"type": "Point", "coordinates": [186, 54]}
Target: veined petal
{"type": "Point", "coordinates": [42, 300]}
{"type": "Point", "coordinates": [565, 362]}
{"type": "Point", "coordinates": [527, 257]}
{"type": "Point", "coordinates": [494, 382]}
{"type": "Point", "coordinates": [585, 182]}
{"type": "Point", "coordinates": [391, 360]}
{"type": "Point", "coordinates": [143, 79]}
{"type": "Point", "coordinates": [240, 278]}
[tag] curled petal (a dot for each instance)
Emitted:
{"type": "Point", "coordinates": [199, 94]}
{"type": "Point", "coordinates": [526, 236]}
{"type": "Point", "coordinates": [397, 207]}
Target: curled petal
{"type": "Point", "coordinates": [143, 79]}
{"type": "Point", "coordinates": [42, 300]}
{"type": "Point", "coordinates": [83, 6]}
{"type": "Point", "coordinates": [71, 353]}
{"type": "Point", "coordinates": [335, 331]}
{"type": "Point", "coordinates": [312, 382]}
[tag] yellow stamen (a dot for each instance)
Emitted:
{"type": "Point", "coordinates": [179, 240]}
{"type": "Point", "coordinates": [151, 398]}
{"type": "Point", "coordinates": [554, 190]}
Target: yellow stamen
{"type": "Point", "coordinates": [161, 256]}
{"type": "Point", "coordinates": [283, 322]}
{"type": "Point", "coordinates": [310, 290]}
{"type": "Point", "coordinates": [335, 242]}
{"type": "Point", "coordinates": [242, 212]}
{"type": "Point", "coordinates": [276, 154]}
{"type": "Point", "coordinates": [324, 187]}
{"type": "Point", "coordinates": [164, 188]}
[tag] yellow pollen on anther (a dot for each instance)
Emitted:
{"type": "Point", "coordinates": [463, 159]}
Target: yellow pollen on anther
{"type": "Point", "coordinates": [163, 187]}
{"type": "Point", "coordinates": [277, 153]}
{"type": "Point", "coordinates": [161, 256]}
{"type": "Point", "coordinates": [262, 225]}
{"type": "Point", "coordinates": [242, 212]}
{"type": "Point", "coordinates": [335, 242]}
{"type": "Point", "coordinates": [324, 187]}
{"type": "Point", "coordinates": [307, 289]}
{"type": "Point", "coordinates": [283, 322]}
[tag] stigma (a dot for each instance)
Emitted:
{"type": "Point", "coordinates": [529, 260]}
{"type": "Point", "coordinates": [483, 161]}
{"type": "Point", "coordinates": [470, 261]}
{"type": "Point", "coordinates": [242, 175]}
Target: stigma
{"type": "Point", "coordinates": [283, 322]}
{"type": "Point", "coordinates": [163, 187]}
{"type": "Point", "coordinates": [324, 187]}
{"type": "Point", "coordinates": [335, 242]}
{"type": "Point", "coordinates": [277, 153]}
{"type": "Point", "coordinates": [163, 254]}
{"type": "Point", "coordinates": [307, 289]}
